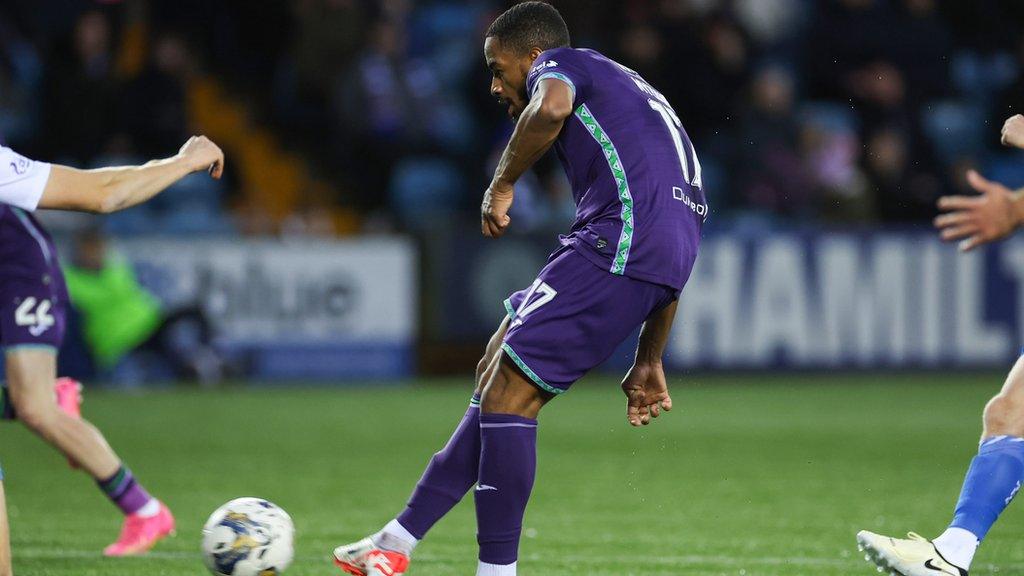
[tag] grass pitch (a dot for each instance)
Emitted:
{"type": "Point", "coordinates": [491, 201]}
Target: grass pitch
{"type": "Point", "coordinates": [750, 475]}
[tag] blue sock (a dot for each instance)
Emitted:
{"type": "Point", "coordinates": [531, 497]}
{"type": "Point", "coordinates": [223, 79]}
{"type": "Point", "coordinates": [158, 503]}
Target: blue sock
{"type": "Point", "coordinates": [993, 479]}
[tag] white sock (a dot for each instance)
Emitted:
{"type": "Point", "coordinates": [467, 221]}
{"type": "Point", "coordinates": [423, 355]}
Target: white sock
{"type": "Point", "coordinates": [396, 538]}
{"type": "Point", "coordinates": [152, 508]}
{"type": "Point", "coordinates": [485, 569]}
{"type": "Point", "coordinates": [957, 546]}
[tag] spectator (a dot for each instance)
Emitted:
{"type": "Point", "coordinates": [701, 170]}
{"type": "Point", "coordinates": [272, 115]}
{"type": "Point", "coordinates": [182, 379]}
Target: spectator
{"type": "Point", "coordinates": [772, 176]}
{"type": "Point", "coordinates": [903, 193]}
{"type": "Point", "coordinates": [80, 92]}
{"type": "Point", "coordinates": [154, 113]}
{"type": "Point", "coordinates": [120, 317]}
{"type": "Point", "coordinates": [20, 69]}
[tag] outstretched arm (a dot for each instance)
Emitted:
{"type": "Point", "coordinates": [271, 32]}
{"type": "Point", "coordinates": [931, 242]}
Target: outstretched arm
{"type": "Point", "coordinates": [975, 220]}
{"type": "Point", "coordinates": [644, 385]}
{"type": "Point", "coordinates": [107, 190]}
{"type": "Point", "coordinates": [993, 215]}
{"type": "Point", "coordinates": [537, 129]}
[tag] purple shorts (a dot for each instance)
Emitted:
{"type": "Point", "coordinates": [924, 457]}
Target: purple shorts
{"type": "Point", "coordinates": [33, 296]}
{"type": "Point", "coordinates": [32, 312]}
{"type": "Point", "coordinates": [573, 318]}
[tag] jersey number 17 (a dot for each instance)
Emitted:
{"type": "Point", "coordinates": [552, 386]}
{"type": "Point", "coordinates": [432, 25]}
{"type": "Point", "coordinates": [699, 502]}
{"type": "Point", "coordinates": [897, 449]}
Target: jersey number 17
{"type": "Point", "coordinates": [660, 104]}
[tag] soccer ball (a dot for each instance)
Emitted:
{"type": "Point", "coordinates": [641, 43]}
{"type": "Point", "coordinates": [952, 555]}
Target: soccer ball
{"type": "Point", "coordinates": [248, 537]}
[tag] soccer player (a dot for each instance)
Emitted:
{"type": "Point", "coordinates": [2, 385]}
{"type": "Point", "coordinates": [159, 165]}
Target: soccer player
{"type": "Point", "coordinates": [640, 210]}
{"type": "Point", "coordinates": [33, 301]}
{"type": "Point", "coordinates": [996, 473]}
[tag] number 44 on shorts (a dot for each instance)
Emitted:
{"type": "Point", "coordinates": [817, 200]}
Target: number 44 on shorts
{"type": "Point", "coordinates": [35, 314]}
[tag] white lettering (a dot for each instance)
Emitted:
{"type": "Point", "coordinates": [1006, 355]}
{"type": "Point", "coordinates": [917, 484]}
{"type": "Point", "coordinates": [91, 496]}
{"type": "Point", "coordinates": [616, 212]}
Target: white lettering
{"type": "Point", "coordinates": [863, 302]}
{"type": "Point", "coordinates": [709, 315]}
{"type": "Point", "coordinates": [976, 340]}
{"type": "Point", "coordinates": [779, 316]}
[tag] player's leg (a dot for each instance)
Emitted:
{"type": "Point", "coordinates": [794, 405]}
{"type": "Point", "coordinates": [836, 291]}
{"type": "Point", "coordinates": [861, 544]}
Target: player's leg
{"type": "Point", "coordinates": [31, 373]}
{"type": "Point", "coordinates": [68, 394]}
{"type": "Point", "coordinates": [453, 470]}
{"type": "Point", "coordinates": [508, 465]}
{"type": "Point", "coordinates": [992, 481]}
{"type": "Point", "coordinates": [570, 320]}
{"type": "Point", "coordinates": [995, 474]}
{"type": "Point", "coordinates": [5, 532]}
{"type": "Point", "coordinates": [449, 475]}
{"type": "Point", "coordinates": [5, 536]}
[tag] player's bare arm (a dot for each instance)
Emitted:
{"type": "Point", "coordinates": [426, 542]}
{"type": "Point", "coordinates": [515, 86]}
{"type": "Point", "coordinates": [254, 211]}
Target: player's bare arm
{"type": "Point", "coordinates": [976, 220]}
{"type": "Point", "coordinates": [107, 190]}
{"type": "Point", "coordinates": [993, 215]}
{"type": "Point", "coordinates": [644, 385]}
{"type": "Point", "coordinates": [536, 130]}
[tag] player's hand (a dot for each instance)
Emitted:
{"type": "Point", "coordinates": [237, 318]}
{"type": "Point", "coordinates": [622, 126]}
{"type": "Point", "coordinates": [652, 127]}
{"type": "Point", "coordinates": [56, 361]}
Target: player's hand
{"type": "Point", "coordinates": [646, 393]}
{"type": "Point", "coordinates": [1013, 131]}
{"type": "Point", "coordinates": [200, 153]}
{"type": "Point", "coordinates": [494, 218]}
{"type": "Point", "coordinates": [977, 220]}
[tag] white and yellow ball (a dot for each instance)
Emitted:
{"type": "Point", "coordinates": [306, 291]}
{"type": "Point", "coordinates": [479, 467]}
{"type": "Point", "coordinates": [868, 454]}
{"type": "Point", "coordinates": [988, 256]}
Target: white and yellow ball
{"type": "Point", "coordinates": [248, 537]}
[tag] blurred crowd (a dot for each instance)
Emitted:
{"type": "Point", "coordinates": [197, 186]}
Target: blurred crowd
{"type": "Point", "coordinates": [802, 111]}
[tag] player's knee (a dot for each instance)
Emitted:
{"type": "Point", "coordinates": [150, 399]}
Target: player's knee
{"type": "Point", "coordinates": [1004, 415]}
{"type": "Point", "coordinates": [508, 393]}
{"type": "Point", "coordinates": [494, 395]}
{"type": "Point", "coordinates": [485, 370]}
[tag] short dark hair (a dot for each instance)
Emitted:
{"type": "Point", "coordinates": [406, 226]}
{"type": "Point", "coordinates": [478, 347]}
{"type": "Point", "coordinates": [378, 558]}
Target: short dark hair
{"type": "Point", "coordinates": [530, 24]}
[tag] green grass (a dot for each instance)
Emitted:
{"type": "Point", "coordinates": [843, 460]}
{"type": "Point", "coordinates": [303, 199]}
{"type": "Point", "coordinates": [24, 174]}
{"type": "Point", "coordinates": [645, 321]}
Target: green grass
{"type": "Point", "coordinates": [755, 475]}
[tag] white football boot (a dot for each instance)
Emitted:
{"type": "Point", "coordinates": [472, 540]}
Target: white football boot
{"type": "Point", "coordinates": [915, 556]}
{"type": "Point", "coordinates": [363, 558]}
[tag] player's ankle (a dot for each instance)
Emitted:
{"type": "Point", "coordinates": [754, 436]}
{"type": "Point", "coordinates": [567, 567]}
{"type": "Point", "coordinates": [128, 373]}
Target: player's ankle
{"type": "Point", "coordinates": [395, 538]}
{"type": "Point", "coordinates": [957, 546]}
{"type": "Point", "coordinates": [485, 569]}
{"type": "Point", "coordinates": [149, 509]}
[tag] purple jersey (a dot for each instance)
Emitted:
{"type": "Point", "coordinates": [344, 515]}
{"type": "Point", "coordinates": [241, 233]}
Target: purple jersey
{"type": "Point", "coordinates": [635, 176]}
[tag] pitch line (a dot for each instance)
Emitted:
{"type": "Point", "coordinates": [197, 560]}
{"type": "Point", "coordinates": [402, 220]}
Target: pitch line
{"type": "Point", "coordinates": [854, 560]}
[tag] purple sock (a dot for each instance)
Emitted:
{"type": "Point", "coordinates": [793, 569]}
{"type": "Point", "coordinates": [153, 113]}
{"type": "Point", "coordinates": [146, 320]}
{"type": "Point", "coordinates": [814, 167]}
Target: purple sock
{"type": "Point", "coordinates": [508, 464]}
{"type": "Point", "coordinates": [124, 491]}
{"type": "Point", "coordinates": [448, 477]}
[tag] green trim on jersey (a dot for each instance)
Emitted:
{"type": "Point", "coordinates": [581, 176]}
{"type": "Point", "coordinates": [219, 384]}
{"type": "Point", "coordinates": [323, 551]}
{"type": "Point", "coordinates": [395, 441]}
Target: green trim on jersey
{"type": "Point", "coordinates": [556, 76]}
{"type": "Point", "coordinates": [30, 346]}
{"type": "Point", "coordinates": [509, 309]}
{"type": "Point", "coordinates": [528, 371]}
{"type": "Point", "coordinates": [615, 164]}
